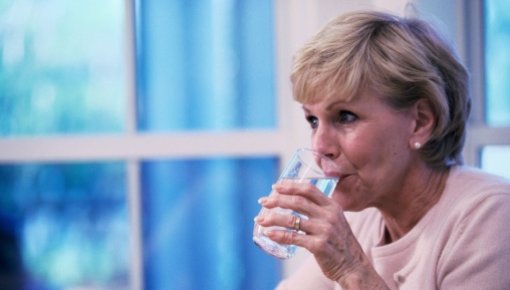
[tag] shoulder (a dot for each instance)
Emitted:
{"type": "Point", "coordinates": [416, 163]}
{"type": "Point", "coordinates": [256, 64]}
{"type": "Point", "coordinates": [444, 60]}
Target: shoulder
{"type": "Point", "coordinates": [474, 214]}
{"type": "Point", "coordinates": [469, 189]}
{"type": "Point", "coordinates": [475, 204]}
{"type": "Point", "coordinates": [473, 179]}
{"type": "Point", "coordinates": [471, 194]}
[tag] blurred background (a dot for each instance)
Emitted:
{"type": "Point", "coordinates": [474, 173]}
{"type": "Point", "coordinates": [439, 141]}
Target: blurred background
{"type": "Point", "coordinates": [137, 135]}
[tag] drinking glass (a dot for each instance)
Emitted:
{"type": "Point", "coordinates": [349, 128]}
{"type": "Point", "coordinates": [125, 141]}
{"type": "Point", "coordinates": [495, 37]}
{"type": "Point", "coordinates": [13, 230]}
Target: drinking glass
{"type": "Point", "coordinates": [306, 166]}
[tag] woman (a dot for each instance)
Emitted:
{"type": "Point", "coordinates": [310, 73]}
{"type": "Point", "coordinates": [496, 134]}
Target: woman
{"type": "Point", "coordinates": [386, 99]}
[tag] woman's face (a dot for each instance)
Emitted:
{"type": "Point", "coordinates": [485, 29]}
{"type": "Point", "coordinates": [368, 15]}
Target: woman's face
{"type": "Point", "coordinates": [369, 141]}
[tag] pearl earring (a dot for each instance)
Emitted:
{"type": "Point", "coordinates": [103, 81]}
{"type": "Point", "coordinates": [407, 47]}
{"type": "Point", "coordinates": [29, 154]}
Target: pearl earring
{"type": "Point", "coordinates": [417, 145]}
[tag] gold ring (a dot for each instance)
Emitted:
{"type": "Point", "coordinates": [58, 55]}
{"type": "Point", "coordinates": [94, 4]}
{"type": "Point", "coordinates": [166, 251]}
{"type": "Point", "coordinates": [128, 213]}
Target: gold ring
{"type": "Point", "coordinates": [297, 223]}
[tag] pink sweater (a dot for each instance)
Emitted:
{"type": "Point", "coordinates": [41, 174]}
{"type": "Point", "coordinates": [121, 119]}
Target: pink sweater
{"type": "Point", "coordinates": [463, 242]}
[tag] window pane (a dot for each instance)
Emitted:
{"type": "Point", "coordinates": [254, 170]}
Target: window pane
{"type": "Point", "coordinates": [205, 65]}
{"type": "Point", "coordinates": [62, 66]}
{"type": "Point", "coordinates": [497, 23]}
{"type": "Point", "coordinates": [198, 222]}
{"type": "Point", "coordinates": [64, 226]}
{"type": "Point", "coordinates": [496, 159]}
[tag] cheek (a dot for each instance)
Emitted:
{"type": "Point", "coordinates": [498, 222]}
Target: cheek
{"type": "Point", "coordinates": [387, 160]}
{"type": "Point", "coordinates": [363, 148]}
{"type": "Point", "coordinates": [374, 155]}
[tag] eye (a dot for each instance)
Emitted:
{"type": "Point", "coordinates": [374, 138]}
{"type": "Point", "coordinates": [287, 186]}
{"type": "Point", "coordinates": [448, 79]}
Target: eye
{"type": "Point", "coordinates": [346, 117]}
{"type": "Point", "coordinates": [313, 121]}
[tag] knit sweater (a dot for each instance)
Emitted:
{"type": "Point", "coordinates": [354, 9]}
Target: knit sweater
{"type": "Point", "coordinates": [463, 242]}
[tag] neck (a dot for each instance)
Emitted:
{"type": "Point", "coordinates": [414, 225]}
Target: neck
{"type": "Point", "coordinates": [406, 209]}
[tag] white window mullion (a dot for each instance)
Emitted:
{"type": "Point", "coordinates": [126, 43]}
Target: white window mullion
{"type": "Point", "coordinates": [133, 164]}
{"type": "Point", "coordinates": [142, 146]}
{"type": "Point", "coordinates": [135, 224]}
{"type": "Point", "coordinates": [481, 136]}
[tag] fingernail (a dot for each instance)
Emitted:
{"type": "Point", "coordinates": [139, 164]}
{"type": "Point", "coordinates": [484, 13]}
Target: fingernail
{"type": "Point", "coordinates": [262, 200]}
{"type": "Point", "coordinates": [258, 219]}
{"type": "Point", "coordinates": [267, 232]}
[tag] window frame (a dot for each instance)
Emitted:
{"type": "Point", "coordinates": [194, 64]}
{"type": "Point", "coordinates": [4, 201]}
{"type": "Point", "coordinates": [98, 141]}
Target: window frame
{"type": "Point", "coordinates": [133, 146]}
{"type": "Point", "coordinates": [470, 32]}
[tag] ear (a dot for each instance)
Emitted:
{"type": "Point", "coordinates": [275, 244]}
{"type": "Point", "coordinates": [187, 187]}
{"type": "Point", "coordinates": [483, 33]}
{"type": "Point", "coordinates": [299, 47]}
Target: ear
{"type": "Point", "coordinates": [423, 125]}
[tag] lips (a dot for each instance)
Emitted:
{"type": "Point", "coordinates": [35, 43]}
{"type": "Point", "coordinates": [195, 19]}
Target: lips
{"type": "Point", "coordinates": [338, 171]}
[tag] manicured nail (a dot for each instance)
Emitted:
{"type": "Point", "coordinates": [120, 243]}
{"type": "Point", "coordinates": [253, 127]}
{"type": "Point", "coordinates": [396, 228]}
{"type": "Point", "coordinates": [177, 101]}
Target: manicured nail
{"type": "Point", "coordinates": [268, 232]}
{"type": "Point", "coordinates": [262, 200]}
{"type": "Point", "coordinates": [276, 186]}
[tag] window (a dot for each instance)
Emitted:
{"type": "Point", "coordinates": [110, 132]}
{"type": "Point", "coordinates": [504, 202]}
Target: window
{"type": "Point", "coordinates": [63, 223]}
{"type": "Point", "coordinates": [198, 217]}
{"type": "Point", "coordinates": [63, 70]}
{"type": "Point", "coordinates": [496, 157]}
{"type": "Point", "coordinates": [135, 143]}
{"type": "Point", "coordinates": [497, 61]}
{"type": "Point", "coordinates": [488, 143]}
{"type": "Point", "coordinates": [215, 58]}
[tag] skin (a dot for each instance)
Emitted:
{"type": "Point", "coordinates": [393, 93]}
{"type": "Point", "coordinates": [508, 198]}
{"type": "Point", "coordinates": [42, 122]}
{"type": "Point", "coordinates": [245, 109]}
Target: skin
{"type": "Point", "coordinates": [373, 144]}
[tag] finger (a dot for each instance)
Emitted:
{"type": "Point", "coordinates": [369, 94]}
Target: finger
{"type": "Point", "coordinates": [307, 190]}
{"type": "Point", "coordinates": [315, 244]}
{"type": "Point", "coordinates": [302, 225]}
{"type": "Point", "coordinates": [287, 237]}
{"type": "Point", "coordinates": [295, 203]}
{"type": "Point", "coordinates": [290, 221]}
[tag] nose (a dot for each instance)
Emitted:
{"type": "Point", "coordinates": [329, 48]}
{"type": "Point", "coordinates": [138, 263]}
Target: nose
{"type": "Point", "coordinates": [325, 142]}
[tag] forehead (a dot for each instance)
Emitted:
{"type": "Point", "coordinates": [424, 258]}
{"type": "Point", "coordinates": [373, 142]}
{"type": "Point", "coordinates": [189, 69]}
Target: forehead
{"type": "Point", "coordinates": [327, 94]}
{"type": "Point", "coordinates": [365, 98]}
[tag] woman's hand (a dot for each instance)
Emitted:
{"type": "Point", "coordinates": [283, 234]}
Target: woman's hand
{"type": "Point", "coordinates": [326, 233]}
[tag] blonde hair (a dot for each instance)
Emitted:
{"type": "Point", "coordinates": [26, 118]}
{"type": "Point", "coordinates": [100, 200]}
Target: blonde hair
{"type": "Point", "coordinates": [404, 59]}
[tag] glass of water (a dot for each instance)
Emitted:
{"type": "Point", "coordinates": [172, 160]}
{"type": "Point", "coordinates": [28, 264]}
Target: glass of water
{"type": "Point", "coordinates": [306, 166]}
